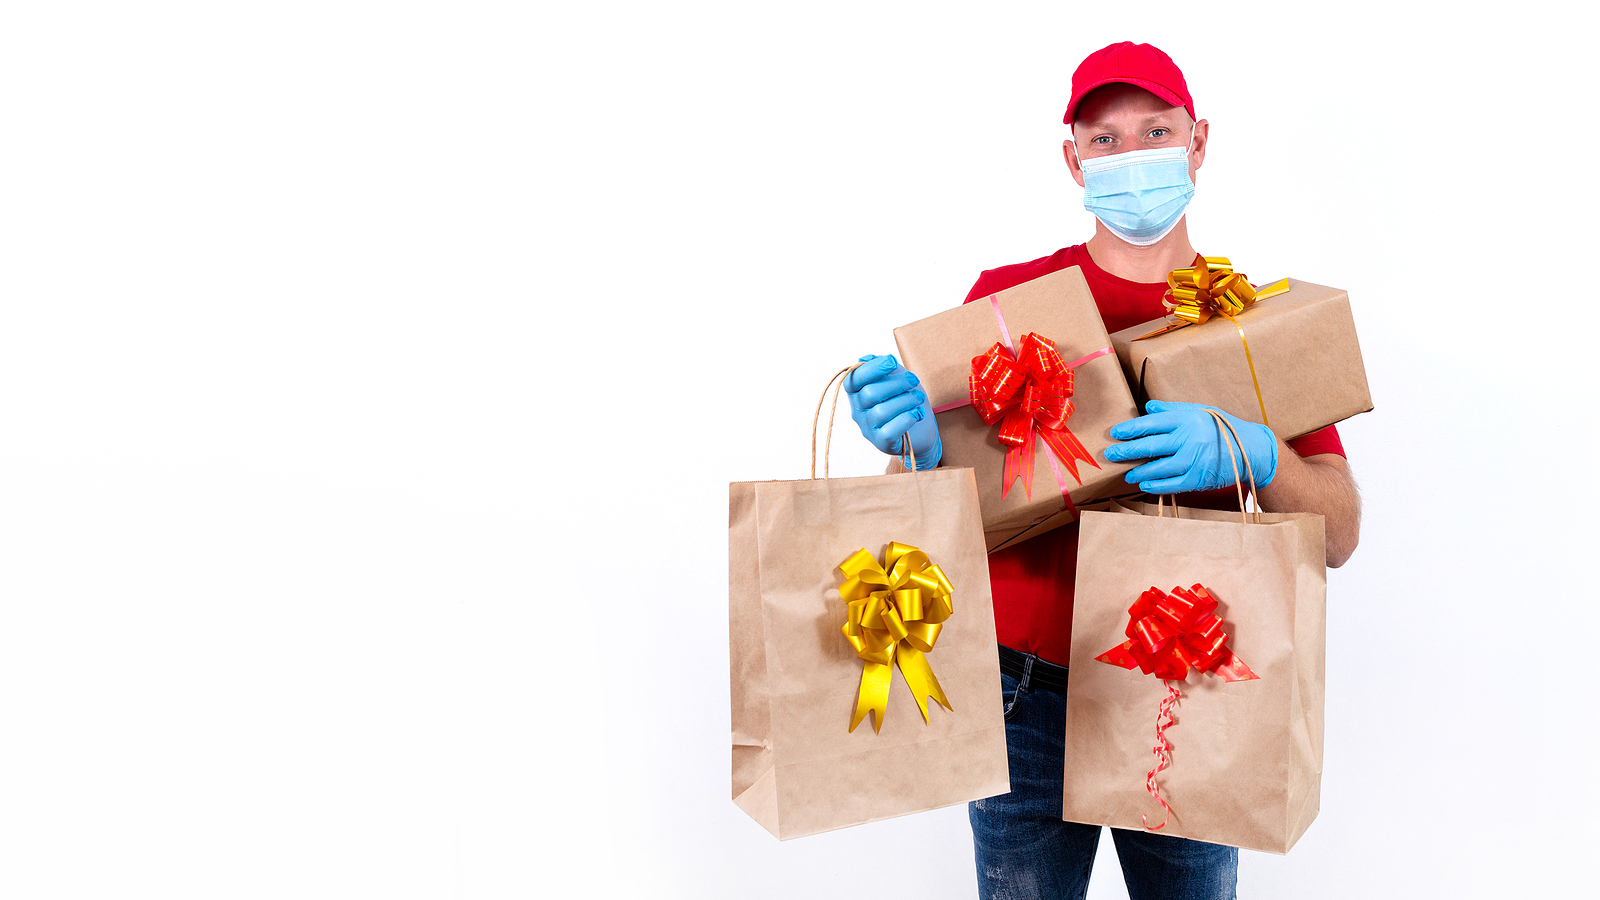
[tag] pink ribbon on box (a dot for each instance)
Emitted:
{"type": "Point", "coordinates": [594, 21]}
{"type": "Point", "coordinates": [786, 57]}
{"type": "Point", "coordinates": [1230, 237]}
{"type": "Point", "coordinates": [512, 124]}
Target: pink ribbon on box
{"type": "Point", "coordinates": [1051, 451]}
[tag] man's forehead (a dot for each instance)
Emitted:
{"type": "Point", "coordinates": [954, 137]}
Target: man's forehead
{"type": "Point", "coordinates": [1116, 103]}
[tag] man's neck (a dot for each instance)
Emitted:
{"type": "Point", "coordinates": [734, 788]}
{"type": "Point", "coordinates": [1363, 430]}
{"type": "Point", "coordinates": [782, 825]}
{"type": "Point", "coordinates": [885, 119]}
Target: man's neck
{"type": "Point", "coordinates": [1147, 265]}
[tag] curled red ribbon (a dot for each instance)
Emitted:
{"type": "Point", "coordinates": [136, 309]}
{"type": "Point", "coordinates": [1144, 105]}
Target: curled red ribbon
{"type": "Point", "coordinates": [1163, 752]}
{"type": "Point", "coordinates": [1168, 633]}
{"type": "Point", "coordinates": [1029, 393]}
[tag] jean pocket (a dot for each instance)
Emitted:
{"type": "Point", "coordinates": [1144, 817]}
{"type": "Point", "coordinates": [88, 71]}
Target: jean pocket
{"type": "Point", "coordinates": [1010, 695]}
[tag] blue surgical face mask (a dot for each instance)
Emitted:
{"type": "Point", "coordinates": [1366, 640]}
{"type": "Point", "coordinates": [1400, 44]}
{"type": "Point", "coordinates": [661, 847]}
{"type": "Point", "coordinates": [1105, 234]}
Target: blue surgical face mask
{"type": "Point", "coordinates": [1140, 195]}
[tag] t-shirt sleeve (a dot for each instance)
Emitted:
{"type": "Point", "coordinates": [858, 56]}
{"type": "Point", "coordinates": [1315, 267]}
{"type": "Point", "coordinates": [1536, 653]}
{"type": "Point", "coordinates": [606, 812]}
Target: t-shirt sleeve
{"type": "Point", "coordinates": [1325, 440]}
{"type": "Point", "coordinates": [984, 286]}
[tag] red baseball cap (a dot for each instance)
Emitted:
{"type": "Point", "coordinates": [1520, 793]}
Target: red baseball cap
{"type": "Point", "coordinates": [1140, 65]}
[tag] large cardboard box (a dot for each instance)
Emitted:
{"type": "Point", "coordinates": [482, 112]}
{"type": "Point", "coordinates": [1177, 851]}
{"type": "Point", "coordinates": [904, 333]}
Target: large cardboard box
{"type": "Point", "coordinates": [940, 349]}
{"type": "Point", "coordinates": [1304, 347]}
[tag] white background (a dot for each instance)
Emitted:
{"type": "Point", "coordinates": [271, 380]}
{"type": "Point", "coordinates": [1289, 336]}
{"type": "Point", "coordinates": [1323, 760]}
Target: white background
{"type": "Point", "coordinates": [371, 376]}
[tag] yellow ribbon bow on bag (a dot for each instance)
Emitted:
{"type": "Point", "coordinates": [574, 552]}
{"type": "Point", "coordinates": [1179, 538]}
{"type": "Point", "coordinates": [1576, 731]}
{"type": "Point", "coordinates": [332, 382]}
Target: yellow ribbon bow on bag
{"type": "Point", "coordinates": [895, 617]}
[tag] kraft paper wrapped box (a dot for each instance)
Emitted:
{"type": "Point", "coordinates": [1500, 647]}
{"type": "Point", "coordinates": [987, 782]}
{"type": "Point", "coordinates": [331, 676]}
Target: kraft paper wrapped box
{"type": "Point", "coordinates": [940, 350]}
{"type": "Point", "coordinates": [1303, 344]}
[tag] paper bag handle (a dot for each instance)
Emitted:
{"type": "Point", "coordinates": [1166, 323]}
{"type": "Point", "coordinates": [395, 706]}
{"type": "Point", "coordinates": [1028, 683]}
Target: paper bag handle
{"type": "Point", "coordinates": [905, 439]}
{"type": "Point", "coordinates": [1161, 506]}
{"type": "Point", "coordinates": [1223, 424]}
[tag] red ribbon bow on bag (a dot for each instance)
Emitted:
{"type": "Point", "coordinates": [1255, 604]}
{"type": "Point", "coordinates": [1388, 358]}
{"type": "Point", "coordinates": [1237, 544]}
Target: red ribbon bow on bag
{"type": "Point", "coordinates": [1028, 394]}
{"type": "Point", "coordinates": [1168, 633]}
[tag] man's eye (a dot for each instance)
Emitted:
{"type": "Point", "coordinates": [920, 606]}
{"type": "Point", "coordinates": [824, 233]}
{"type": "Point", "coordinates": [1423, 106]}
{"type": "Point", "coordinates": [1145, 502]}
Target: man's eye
{"type": "Point", "coordinates": [1159, 133]}
{"type": "Point", "coordinates": [1103, 139]}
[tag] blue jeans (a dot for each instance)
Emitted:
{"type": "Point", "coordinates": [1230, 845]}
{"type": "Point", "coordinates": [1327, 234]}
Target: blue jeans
{"type": "Point", "coordinates": [1024, 850]}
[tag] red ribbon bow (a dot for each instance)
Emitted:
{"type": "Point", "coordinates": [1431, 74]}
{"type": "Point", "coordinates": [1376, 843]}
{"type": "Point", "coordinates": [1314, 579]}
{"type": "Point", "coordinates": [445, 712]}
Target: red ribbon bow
{"type": "Point", "coordinates": [1168, 633]}
{"type": "Point", "coordinates": [1027, 394]}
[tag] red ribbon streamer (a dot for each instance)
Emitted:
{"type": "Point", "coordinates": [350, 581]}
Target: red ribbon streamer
{"type": "Point", "coordinates": [1030, 394]}
{"type": "Point", "coordinates": [1168, 633]}
{"type": "Point", "coordinates": [1163, 752]}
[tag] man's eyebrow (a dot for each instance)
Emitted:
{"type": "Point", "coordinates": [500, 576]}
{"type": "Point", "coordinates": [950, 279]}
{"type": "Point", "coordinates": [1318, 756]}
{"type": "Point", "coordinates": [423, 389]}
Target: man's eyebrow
{"type": "Point", "coordinates": [1160, 118]}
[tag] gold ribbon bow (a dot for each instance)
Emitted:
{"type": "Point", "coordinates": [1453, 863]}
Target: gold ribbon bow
{"type": "Point", "coordinates": [1199, 292]}
{"type": "Point", "coordinates": [895, 617]}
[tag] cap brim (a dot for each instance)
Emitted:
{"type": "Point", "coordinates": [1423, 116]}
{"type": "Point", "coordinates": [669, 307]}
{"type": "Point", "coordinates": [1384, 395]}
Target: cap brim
{"type": "Point", "coordinates": [1150, 86]}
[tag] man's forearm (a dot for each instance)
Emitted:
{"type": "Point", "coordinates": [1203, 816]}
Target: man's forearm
{"type": "Point", "coordinates": [1318, 484]}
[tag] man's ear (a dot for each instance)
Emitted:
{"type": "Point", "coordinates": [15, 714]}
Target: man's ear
{"type": "Point", "coordinates": [1202, 135]}
{"type": "Point", "coordinates": [1070, 151]}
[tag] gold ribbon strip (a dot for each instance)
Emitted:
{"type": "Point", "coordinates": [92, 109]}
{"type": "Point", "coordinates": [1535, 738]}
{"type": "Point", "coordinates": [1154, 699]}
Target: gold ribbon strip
{"type": "Point", "coordinates": [1211, 288]}
{"type": "Point", "coordinates": [896, 613]}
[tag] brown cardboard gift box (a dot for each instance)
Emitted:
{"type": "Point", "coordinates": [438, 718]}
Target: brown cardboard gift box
{"type": "Point", "coordinates": [1303, 345]}
{"type": "Point", "coordinates": [940, 348]}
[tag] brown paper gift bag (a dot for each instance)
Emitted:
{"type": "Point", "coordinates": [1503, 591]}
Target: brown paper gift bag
{"type": "Point", "coordinates": [940, 349]}
{"type": "Point", "coordinates": [1245, 756]}
{"type": "Point", "coordinates": [798, 768]}
{"type": "Point", "coordinates": [1302, 344]}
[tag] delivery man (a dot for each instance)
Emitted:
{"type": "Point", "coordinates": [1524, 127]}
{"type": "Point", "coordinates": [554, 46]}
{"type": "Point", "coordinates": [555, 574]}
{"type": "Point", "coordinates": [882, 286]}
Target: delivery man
{"type": "Point", "coordinates": [1135, 149]}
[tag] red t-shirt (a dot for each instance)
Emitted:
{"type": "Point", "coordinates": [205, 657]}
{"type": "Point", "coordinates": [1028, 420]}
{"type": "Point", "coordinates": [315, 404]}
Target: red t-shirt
{"type": "Point", "coordinates": [1032, 581]}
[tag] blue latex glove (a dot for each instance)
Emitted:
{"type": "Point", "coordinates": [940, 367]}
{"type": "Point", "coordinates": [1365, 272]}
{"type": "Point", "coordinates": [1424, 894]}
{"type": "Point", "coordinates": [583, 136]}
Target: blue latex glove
{"type": "Point", "coordinates": [886, 403]}
{"type": "Point", "coordinates": [1184, 446]}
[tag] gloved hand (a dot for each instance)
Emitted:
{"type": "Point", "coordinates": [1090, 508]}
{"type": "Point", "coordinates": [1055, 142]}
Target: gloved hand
{"type": "Point", "coordinates": [1184, 446]}
{"type": "Point", "coordinates": [886, 403]}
